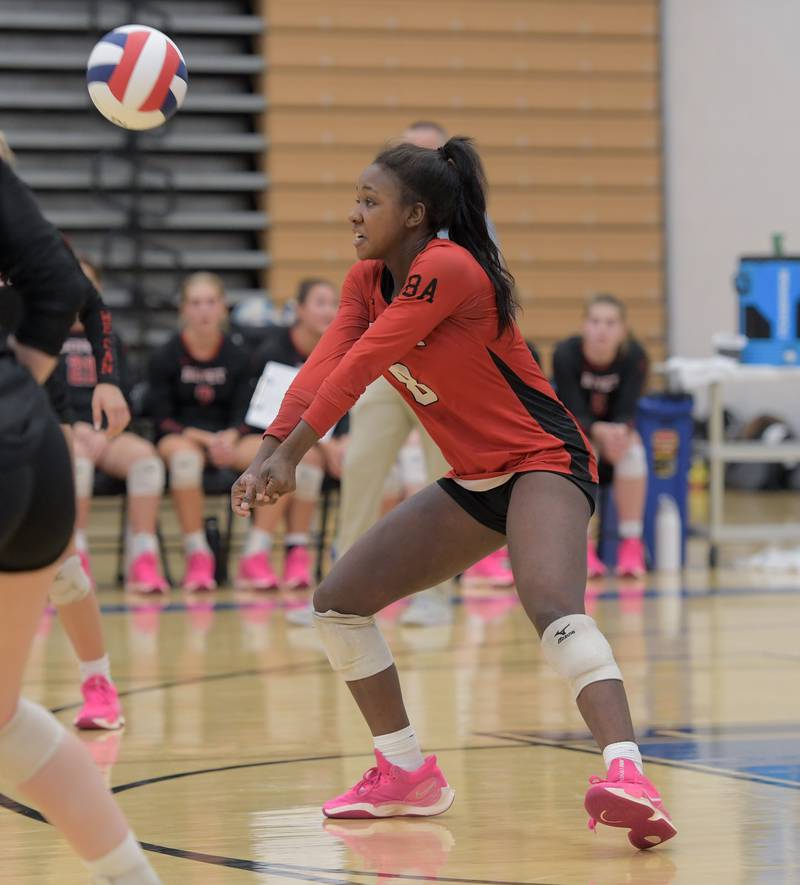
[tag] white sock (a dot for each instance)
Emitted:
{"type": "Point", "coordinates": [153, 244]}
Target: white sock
{"type": "Point", "coordinates": [142, 542]}
{"type": "Point", "coordinates": [630, 528]}
{"type": "Point", "coordinates": [100, 667]}
{"type": "Point", "coordinates": [124, 865]}
{"type": "Point", "coordinates": [296, 539]}
{"type": "Point", "coordinates": [623, 750]}
{"type": "Point", "coordinates": [258, 541]}
{"type": "Point", "coordinates": [195, 542]}
{"type": "Point", "coordinates": [401, 748]}
{"type": "Point", "coordinates": [80, 540]}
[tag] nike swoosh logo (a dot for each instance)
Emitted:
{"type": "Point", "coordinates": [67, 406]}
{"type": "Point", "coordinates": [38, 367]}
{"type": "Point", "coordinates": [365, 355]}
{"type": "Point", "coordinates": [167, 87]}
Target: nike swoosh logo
{"type": "Point", "coordinates": [421, 792]}
{"type": "Point", "coordinates": [605, 820]}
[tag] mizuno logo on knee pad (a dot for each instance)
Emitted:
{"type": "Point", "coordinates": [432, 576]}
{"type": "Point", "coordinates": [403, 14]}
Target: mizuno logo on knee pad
{"type": "Point", "coordinates": [562, 634]}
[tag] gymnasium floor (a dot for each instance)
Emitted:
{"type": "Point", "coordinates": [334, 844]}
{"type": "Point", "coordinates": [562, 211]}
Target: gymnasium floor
{"type": "Point", "coordinates": [237, 731]}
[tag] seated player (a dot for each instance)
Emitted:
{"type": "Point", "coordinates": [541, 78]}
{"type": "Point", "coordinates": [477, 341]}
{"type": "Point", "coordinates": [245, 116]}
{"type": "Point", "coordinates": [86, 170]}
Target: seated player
{"type": "Point", "coordinates": [599, 376]}
{"type": "Point", "coordinates": [316, 302]}
{"type": "Point", "coordinates": [199, 392]}
{"type": "Point", "coordinates": [128, 457]}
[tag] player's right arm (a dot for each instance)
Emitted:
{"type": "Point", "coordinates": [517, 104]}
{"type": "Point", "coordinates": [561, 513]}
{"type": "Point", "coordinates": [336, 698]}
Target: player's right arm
{"type": "Point", "coordinates": [352, 320]}
{"type": "Point", "coordinates": [161, 382]}
{"type": "Point", "coordinates": [567, 367]}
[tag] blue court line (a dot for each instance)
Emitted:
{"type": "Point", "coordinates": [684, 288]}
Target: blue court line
{"type": "Point", "coordinates": [652, 593]}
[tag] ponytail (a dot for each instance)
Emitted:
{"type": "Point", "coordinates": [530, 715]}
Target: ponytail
{"type": "Point", "coordinates": [451, 183]}
{"type": "Point", "coordinates": [469, 229]}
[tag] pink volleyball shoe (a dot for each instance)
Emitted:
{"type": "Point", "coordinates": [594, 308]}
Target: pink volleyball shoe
{"type": "Point", "coordinates": [297, 569]}
{"type": "Point", "coordinates": [255, 573]}
{"type": "Point", "coordinates": [144, 575]}
{"type": "Point", "coordinates": [630, 558]}
{"type": "Point", "coordinates": [388, 791]}
{"type": "Point", "coordinates": [595, 567]}
{"type": "Point", "coordinates": [199, 575]}
{"type": "Point", "coordinates": [627, 799]}
{"type": "Point", "coordinates": [101, 707]}
{"type": "Point", "coordinates": [492, 569]}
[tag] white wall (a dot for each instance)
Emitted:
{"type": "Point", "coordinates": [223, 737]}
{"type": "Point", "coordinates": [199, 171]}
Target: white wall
{"type": "Point", "coordinates": [732, 147]}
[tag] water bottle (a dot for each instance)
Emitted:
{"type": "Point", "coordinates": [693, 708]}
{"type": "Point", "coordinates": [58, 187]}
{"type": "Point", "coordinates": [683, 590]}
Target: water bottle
{"type": "Point", "coordinates": [668, 535]}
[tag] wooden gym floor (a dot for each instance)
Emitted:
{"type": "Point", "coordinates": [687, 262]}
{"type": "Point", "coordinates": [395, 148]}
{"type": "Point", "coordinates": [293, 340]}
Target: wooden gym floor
{"type": "Point", "coordinates": [237, 731]}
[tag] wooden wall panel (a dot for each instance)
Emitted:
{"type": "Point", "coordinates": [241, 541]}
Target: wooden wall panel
{"type": "Point", "coordinates": [562, 97]}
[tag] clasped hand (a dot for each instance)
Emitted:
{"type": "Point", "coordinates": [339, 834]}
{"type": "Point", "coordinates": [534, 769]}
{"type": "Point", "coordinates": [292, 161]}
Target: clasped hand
{"type": "Point", "coordinates": [263, 484]}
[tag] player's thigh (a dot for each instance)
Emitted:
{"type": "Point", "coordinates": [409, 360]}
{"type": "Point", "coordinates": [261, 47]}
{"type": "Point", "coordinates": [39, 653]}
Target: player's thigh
{"type": "Point", "coordinates": [87, 442]}
{"type": "Point", "coordinates": [122, 452]}
{"type": "Point", "coordinates": [546, 526]}
{"type": "Point", "coordinates": [425, 540]}
{"type": "Point", "coordinates": [173, 443]}
{"type": "Point", "coordinates": [246, 449]}
{"type": "Point", "coordinates": [22, 599]}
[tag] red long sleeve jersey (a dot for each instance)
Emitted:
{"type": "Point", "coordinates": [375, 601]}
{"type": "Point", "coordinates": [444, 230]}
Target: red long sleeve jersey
{"type": "Point", "coordinates": [483, 399]}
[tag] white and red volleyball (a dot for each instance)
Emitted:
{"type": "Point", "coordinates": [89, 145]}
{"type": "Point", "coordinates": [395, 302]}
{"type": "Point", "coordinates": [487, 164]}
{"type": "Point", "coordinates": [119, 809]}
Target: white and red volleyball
{"type": "Point", "coordinates": [136, 77]}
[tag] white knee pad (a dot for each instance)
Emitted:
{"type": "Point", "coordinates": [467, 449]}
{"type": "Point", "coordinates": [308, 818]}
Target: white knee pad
{"type": "Point", "coordinates": [146, 477]}
{"type": "Point", "coordinates": [633, 464]}
{"type": "Point", "coordinates": [393, 485]}
{"type": "Point", "coordinates": [186, 470]}
{"type": "Point", "coordinates": [354, 644]}
{"type": "Point", "coordinates": [84, 477]}
{"type": "Point", "coordinates": [308, 482]}
{"type": "Point", "coordinates": [71, 583]}
{"type": "Point", "coordinates": [28, 742]}
{"type": "Point", "coordinates": [578, 651]}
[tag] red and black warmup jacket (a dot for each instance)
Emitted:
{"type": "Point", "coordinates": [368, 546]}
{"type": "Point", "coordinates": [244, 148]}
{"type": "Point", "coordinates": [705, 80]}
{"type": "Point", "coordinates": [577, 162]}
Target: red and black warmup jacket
{"type": "Point", "coordinates": [483, 398]}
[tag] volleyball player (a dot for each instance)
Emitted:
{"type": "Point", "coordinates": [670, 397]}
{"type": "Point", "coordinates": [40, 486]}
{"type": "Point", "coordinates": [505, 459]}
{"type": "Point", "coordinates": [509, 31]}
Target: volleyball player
{"type": "Point", "coordinates": [39, 760]}
{"type": "Point", "coordinates": [600, 376]}
{"type": "Point", "coordinates": [200, 390]}
{"type": "Point", "coordinates": [436, 317]}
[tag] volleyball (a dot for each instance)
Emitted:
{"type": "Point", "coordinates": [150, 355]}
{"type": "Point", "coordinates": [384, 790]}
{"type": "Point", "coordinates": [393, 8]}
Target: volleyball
{"type": "Point", "coordinates": [136, 77]}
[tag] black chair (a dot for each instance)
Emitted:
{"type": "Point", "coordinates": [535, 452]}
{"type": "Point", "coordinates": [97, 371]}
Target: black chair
{"type": "Point", "coordinates": [328, 507]}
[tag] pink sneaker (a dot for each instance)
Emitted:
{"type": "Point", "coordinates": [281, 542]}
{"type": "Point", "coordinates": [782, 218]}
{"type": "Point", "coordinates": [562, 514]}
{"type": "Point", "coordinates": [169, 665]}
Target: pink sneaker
{"type": "Point", "coordinates": [389, 791]}
{"type": "Point", "coordinates": [199, 575]}
{"type": "Point", "coordinates": [84, 558]}
{"type": "Point", "coordinates": [626, 798]}
{"type": "Point", "coordinates": [255, 573]}
{"type": "Point", "coordinates": [492, 569]}
{"type": "Point", "coordinates": [101, 707]}
{"type": "Point", "coordinates": [595, 567]}
{"type": "Point", "coordinates": [144, 575]}
{"type": "Point", "coordinates": [630, 558]}
{"type": "Point", "coordinates": [297, 569]}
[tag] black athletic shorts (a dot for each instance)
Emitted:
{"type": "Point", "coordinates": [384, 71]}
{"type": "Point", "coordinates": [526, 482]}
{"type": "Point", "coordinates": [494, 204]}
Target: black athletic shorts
{"type": "Point", "coordinates": [490, 508]}
{"type": "Point", "coordinates": [56, 389]}
{"type": "Point", "coordinates": [37, 500]}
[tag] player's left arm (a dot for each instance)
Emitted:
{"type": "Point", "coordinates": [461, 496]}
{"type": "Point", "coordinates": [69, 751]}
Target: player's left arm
{"type": "Point", "coordinates": [434, 290]}
{"type": "Point", "coordinates": [107, 398]}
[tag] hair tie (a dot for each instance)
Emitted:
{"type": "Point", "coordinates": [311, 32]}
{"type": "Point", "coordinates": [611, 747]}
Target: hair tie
{"type": "Point", "coordinates": [443, 154]}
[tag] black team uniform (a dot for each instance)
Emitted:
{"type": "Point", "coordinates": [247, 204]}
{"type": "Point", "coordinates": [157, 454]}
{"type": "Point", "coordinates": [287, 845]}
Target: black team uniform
{"type": "Point", "coordinates": [37, 497]}
{"type": "Point", "coordinates": [210, 394]}
{"type": "Point", "coordinates": [600, 393]}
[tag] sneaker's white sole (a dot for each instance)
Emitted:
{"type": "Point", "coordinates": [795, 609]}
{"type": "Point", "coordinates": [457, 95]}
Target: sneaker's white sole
{"type": "Point", "coordinates": [365, 809]}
